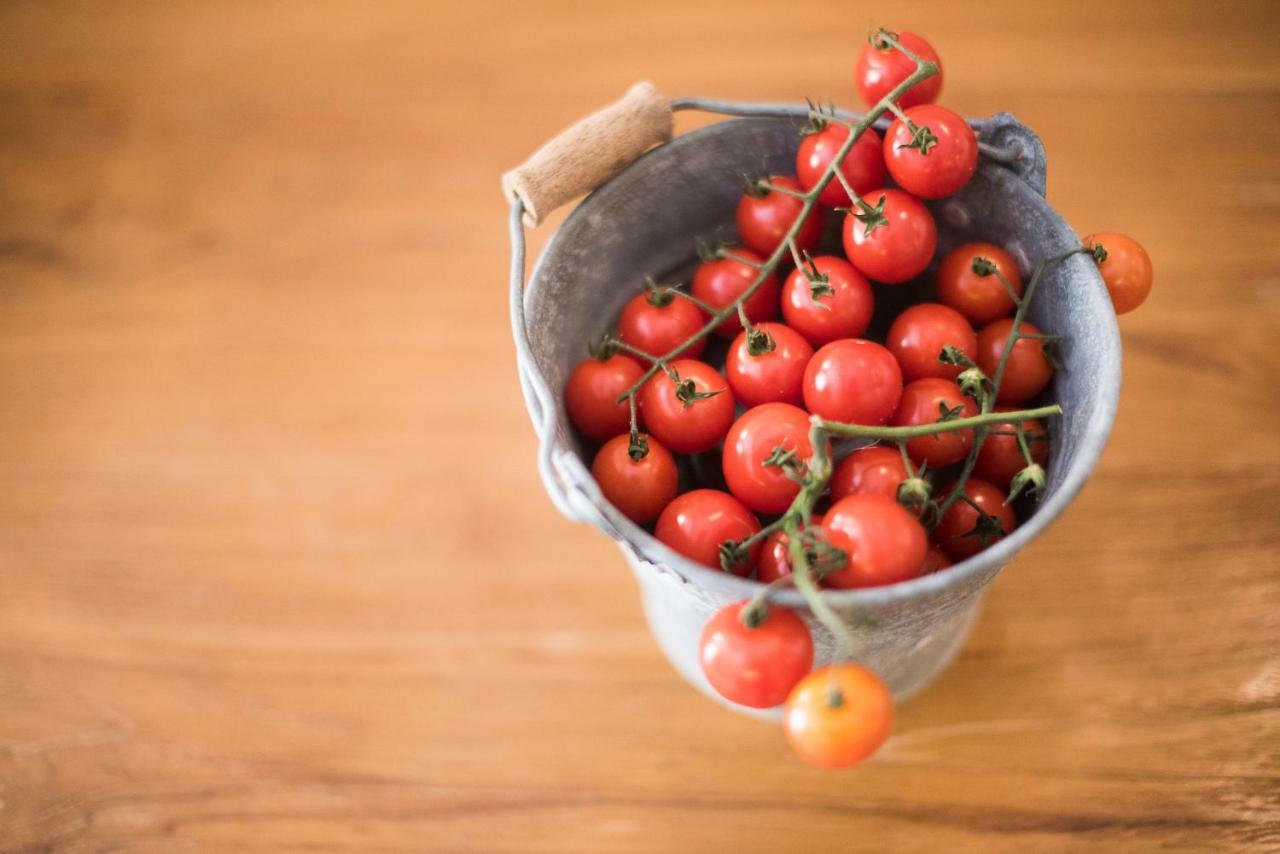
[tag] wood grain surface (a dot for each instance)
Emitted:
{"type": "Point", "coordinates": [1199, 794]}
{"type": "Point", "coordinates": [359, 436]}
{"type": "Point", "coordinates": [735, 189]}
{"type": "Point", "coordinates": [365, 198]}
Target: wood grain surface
{"type": "Point", "coordinates": [277, 573]}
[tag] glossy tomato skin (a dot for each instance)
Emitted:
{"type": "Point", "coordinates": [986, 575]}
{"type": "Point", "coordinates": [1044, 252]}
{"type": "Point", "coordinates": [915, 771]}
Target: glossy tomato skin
{"type": "Point", "coordinates": [1127, 270]}
{"type": "Point", "coordinates": [960, 519]}
{"type": "Point", "coordinates": [720, 281]}
{"type": "Point", "coordinates": [843, 314]}
{"type": "Point", "coordinates": [659, 329]}
{"type": "Point", "coordinates": [1000, 457]}
{"type": "Point", "coordinates": [853, 380]}
{"type": "Point", "coordinates": [862, 167]}
{"type": "Point", "coordinates": [693, 428]}
{"type": "Point", "coordinates": [920, 401]}
{"type": "Point", "coordinates": [882, 541]}
{"type": "Point", "coordinates": [758, 666]}
{"type": "Point", "coordinates": [947, 167]}
{"type": "Point", "coordinates": [874, 470]}
{"type": "Point", "coordinates": [981, 299]}
{"type": "Point", "coordinates": [751, 439]}
{"type": "Point", "coordinates": [895, 252]}
{"type": "Point", "coordinates": [591, 394]}
{"type": "Point", "coordinates": [696, 523]}
{"type": "Point", "coordinates": [639, 488]}
{"type": "Point", "coordinates": [1027, 373]}
{"type": "Point", "coordinates": [843, 735]}
{"type": "Point", "coordinates": [918, 335]}
{"type": "Point", "coordinates": [935, 560]}
{"type": "Point", "coordinates": [764, 220]}
{"type": "Point", "coordinates": [878, 71]}
{"type": "Point", "coordinates": [775, 376]}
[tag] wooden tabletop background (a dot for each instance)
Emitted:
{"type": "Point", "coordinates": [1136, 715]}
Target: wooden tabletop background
{"type": "Point", "coordinates": [276, 572]}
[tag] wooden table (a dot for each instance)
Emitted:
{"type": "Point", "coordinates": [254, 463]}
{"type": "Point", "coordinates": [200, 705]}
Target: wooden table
{"type": "Point", "coordinates": [277, 571]}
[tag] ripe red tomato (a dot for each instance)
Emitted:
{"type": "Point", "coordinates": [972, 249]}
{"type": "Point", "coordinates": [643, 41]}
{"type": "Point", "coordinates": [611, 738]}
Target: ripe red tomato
{"type": "Point", "coordinates": [981, 299]}
{"type": "Point", "coordinates": [846, 313]}
{"type": "Point", "coordinates": [639, 488]}
{"type": "Point", "coordinates": [776, 375]}
{"type": "Point", "coordinates": [838, 715]}
{"type": "Point", "coordinates": [697, 523]}
{"type": "Point", "coordinates": [921, 402]}
{"type": "Point", "coordinates": [874, 470]}
{"type": "Point", "coordinates": [1027, 372]}
{"type": "Point", "coordinates": [751, 440]}
{"type": "Point", "coordinates": [882, 541]}
{"type": "Point", "coordinates": [1000, 458]}
{"type": "Point", "coordinates": [879, 71]}
{"type": "Point", "coordinates": [659, 326]}
{"type": "Point", "coordinates": [721, 281]}
{"type": "Point", "coordinates": [950, 161]}
{"type": "Point", "coordinates": [955, 532]}
{"type": "Point", "coordinates": [765, 219]}
{"type": "Point", "coordinates": [676, 413]}
{"type": "Point", "coordinates": [1127, 270]}
{"type": "Point", "coordinates": [758, 665]}
{"type": "Point", "coordinates": [935, 560]}
{"type": "Point", "coordinates": [853, 380]}
{"type": "Point", "coordinates": [918, 335]}
{"type": "Point", "coordinates": [862, 167]}
{"type": "Point", "coordinates": [591, 394]}
{"type": "Point", "coordinates": [897, 250]}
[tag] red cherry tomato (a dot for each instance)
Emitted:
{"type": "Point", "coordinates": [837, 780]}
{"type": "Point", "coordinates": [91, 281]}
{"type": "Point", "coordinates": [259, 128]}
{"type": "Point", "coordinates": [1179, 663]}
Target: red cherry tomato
{"type": "Point", "coordinates": [1127, 270]}
{"type": "Point", "coordinates": [918, 335]}
{"type": "Point", "coordinates": [755, 665]}
{"type": "Point", "coordinates": [721, 281]}
{"type": "Point", "coordinates": [879, 71]}
{"type": "Point", "coordinates": [1000, 457]}
{"type": "Point", "coordinates": [751, 440]}
{"type": "Point", "coordinates": [899, 248]}
{"type": "Point", "coordinates": [674, 412]}
{"type": "Point", "coordinates": [1027, 372]}
{"type": "Point", "coordinates": [591, 394]}
{"type": "Point", "coordinates": [935, 560]}
{"type": "Point", "coordinates": [765, 219]}
{"type": "Point", "coordinates": [697, 523]}
{"type": "Point", "coordinates": [774, 560]}
{"type": "Point", "coordinates": [657, 324]}
{"type": "Point", "coordinates": [862, 167]}
{"type": "Point", "coordinates": [981, 299]}
{"type": "Point", "coordinates": [838, 715]}
{"type": "Point", "coordinates": [639, 488]}
{"type": "Point", "coordinates": [875, 470]}
{"type": "Point", "coordinates": [920, 404]}
{"type": "Point", "coordinates": [950, 161]}
{"type": "Point", "coordinates": [775, 375]}
{"type": "Point", "coordinates": [882, 541]}
{"type": "Point", "coordinates": [853, 380]}
{"type": "Point", "coordinates": [846, 313]}
{"type": "Point", "coordinates": [957, 530]}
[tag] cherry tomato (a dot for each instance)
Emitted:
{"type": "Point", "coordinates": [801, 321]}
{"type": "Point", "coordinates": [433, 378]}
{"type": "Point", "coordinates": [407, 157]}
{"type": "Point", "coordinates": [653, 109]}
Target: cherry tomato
{"type": "Point", "coordinates": [697, 523]}
{"type": "Point", "coordinates": [897, 249]}
{"type": "Point", "coordinates": [956, 532]}
{"type": "Point", "coordinates": [721, 281]}
{"type": "Point", "coordinates": [951, 158]}
{"type": "Point", "coordinates": [862, 167]}
{"type": "Point", "coordinates": [676, 413]}
{"type": "Point", "coordinates": [846, 313]}
{"type": "Point", "coordinates": [981, 299]}
{"type": "Point", "coordinates": [875, 470]}
{"type": "Point", "coordinates": [882, 541]}
{"type": "Point", "coordinates": [591, 394]}
{"type": "Point", "coordinates": [921, 402]}
{"type": "Point", "coordinates": [935, 560]}
{"type": "Point", "coordinates": [639, 488]}
{"type": "Point", "coordinates": [774, 560]}
{"type": "Point", "coordinates": [775, 375]}
{"type": "Point", "coordinates": [918, 335]}
{"type": "Point", "coordinates": [1127, 270]}
{"type": "Point", "coordinates": [751, 440]}
{"type": "Point", "coordinates": [853, 380]}
{"type": "Point", "coordinates": [1000, 457]}
{"type": "Point", "coordinates": [1027, 372]}
{"type": "Point", "coordinates": [879, 71]}
{"type": "Point", "coordinates": [657, 324]}
{"type": "Point", "coordinates": [838, 715]}
{"type": "Point", "coordinates": [755, 665]}
{"type": "Point", "coordinates": [765, 218]}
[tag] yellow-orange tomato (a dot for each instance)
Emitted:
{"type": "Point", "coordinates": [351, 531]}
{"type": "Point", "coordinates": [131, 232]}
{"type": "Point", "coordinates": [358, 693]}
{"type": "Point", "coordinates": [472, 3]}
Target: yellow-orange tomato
{"type": "Point", "coordinates": [838, 715]}
{"type": "Point", "coordinates": [1127, 270]}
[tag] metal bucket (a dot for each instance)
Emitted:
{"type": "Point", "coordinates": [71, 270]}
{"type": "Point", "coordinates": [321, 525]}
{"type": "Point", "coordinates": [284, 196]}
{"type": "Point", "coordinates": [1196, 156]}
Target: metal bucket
{"type": "Point", "coordinates": [645, 221]}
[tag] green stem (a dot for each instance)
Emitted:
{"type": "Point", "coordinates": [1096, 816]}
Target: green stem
{"type": "Point", "coordinates": [867, 431]}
